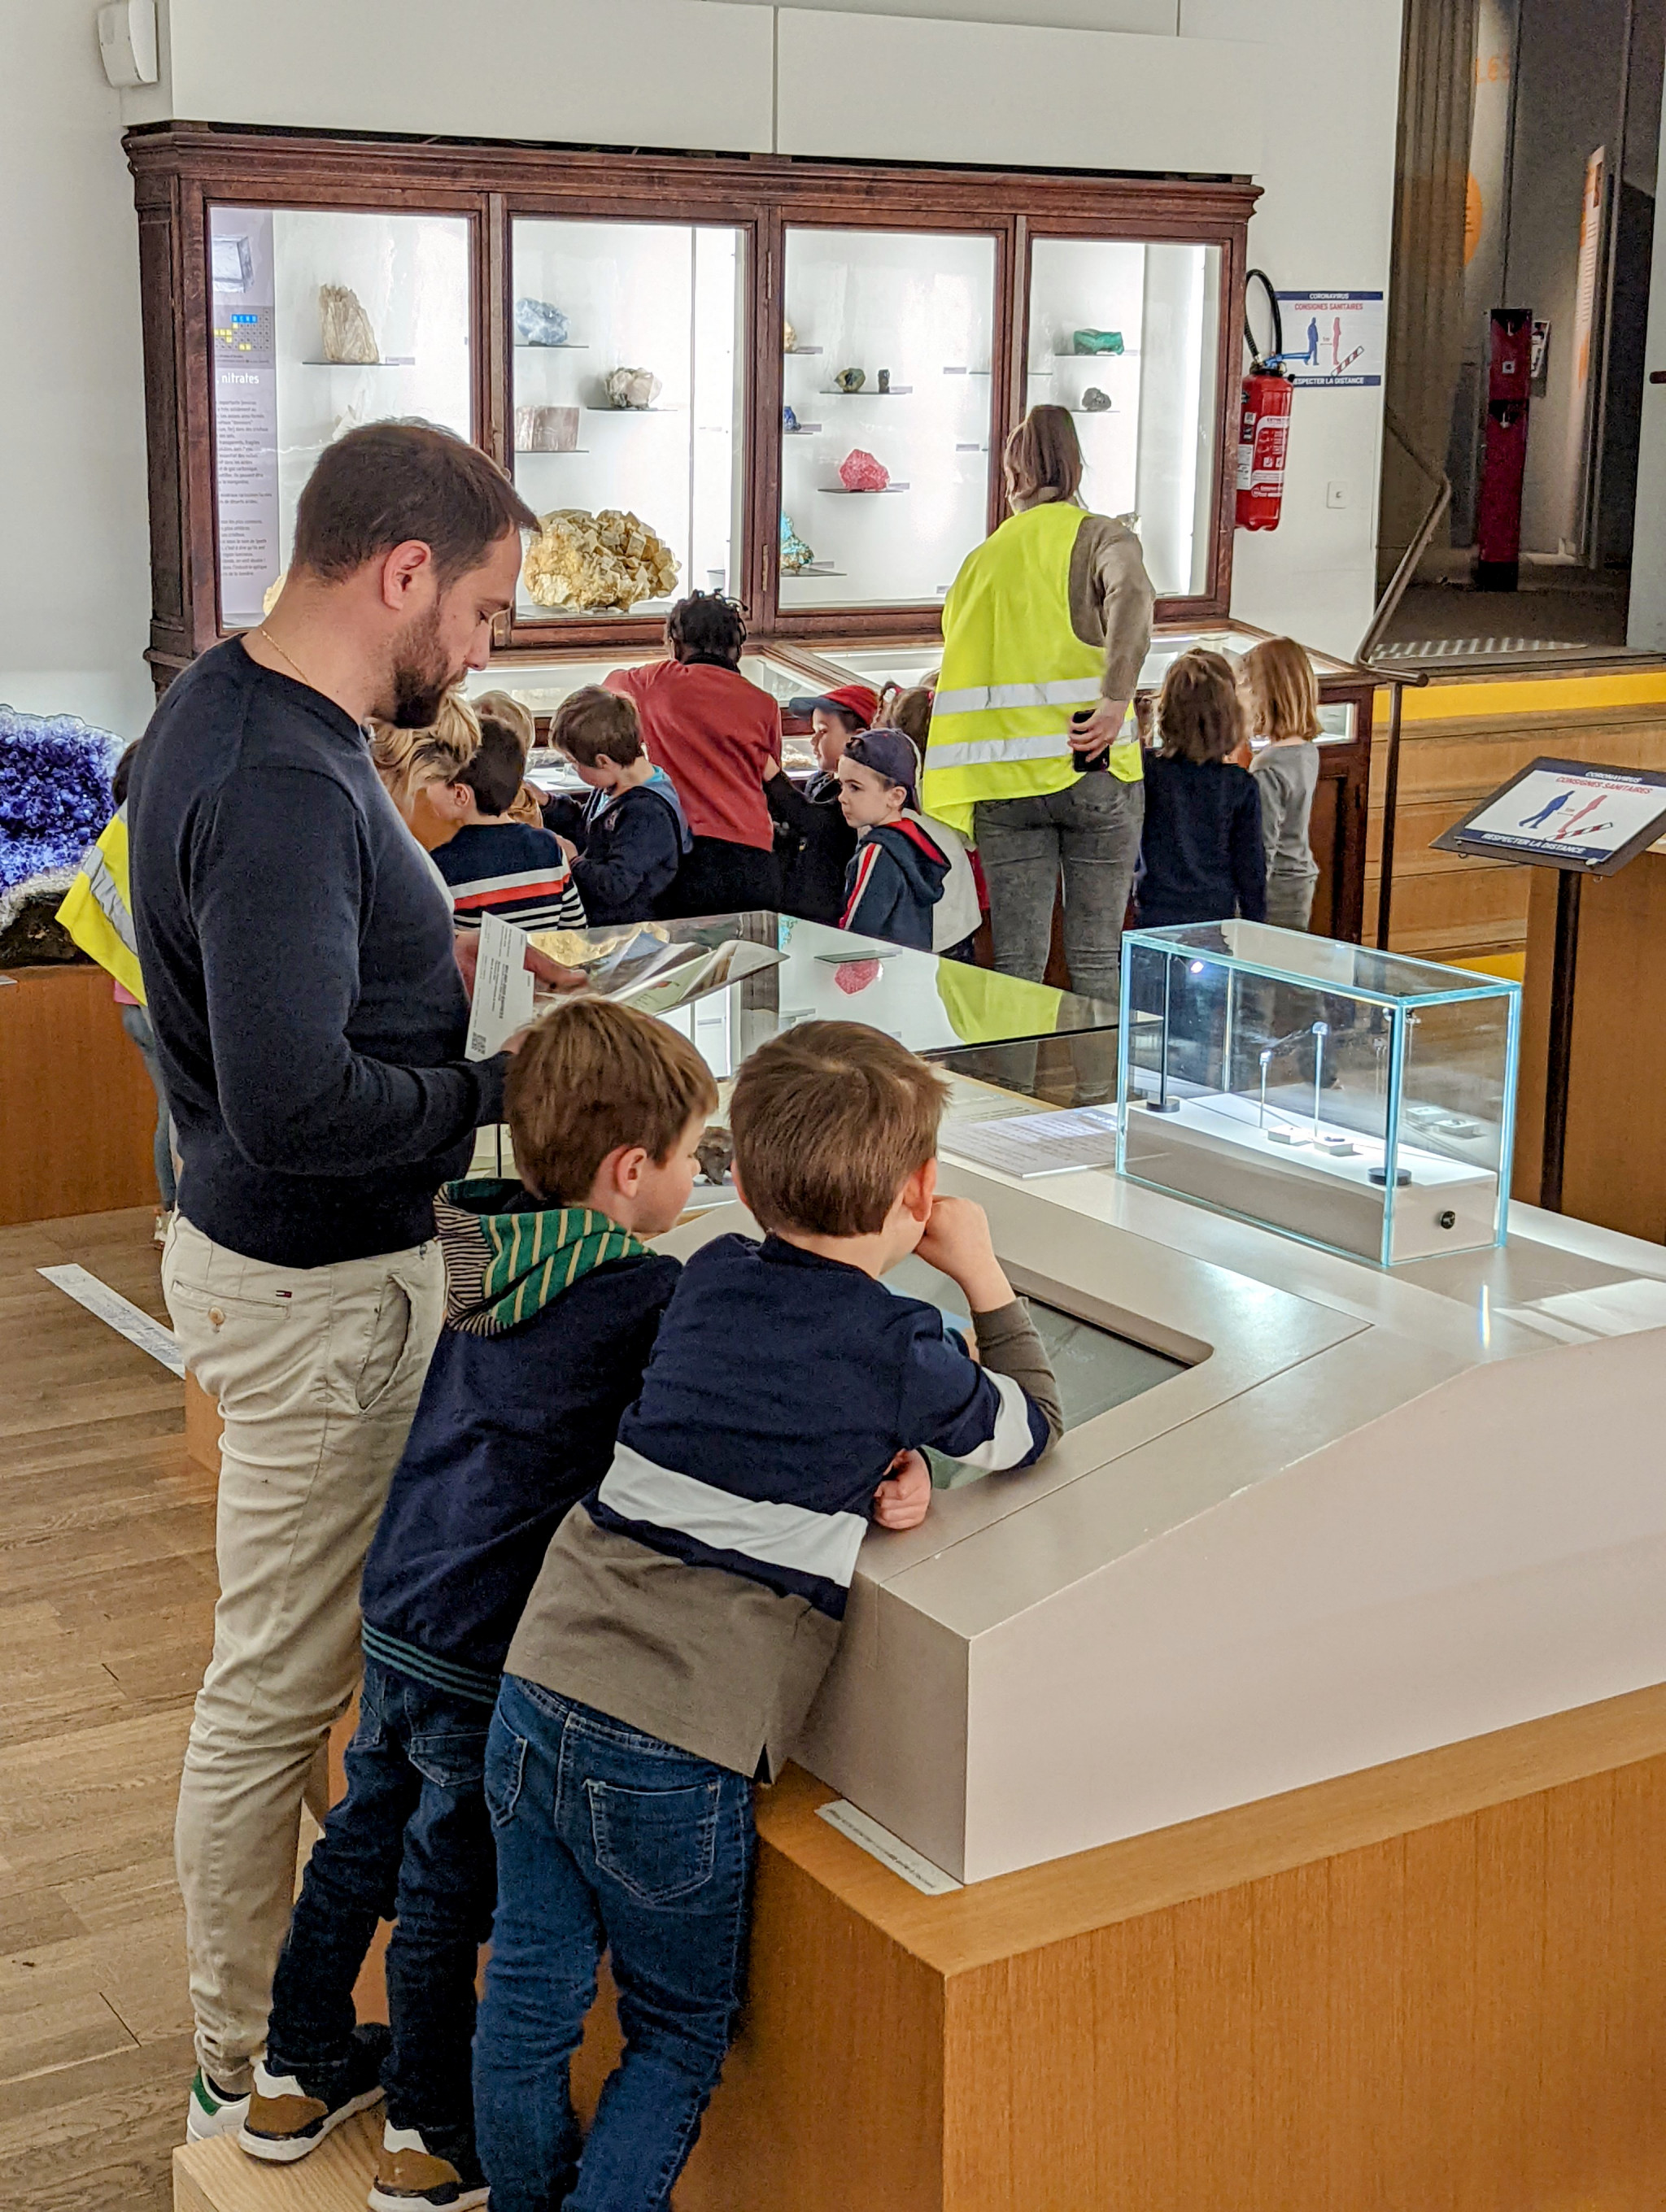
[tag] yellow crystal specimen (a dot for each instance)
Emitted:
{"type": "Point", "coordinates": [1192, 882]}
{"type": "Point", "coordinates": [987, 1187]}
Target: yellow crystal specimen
{"type": "Point", "coordinates": [588, 561]}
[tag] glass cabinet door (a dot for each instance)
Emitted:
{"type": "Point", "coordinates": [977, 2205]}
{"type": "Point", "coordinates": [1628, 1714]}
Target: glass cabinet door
{"type": "Point", "coordinates": [628, 353]}
{"type": "Point", "coordinates": [888, 401]}
{"type": "Point", "coordinates": [1126, 337]}
{"type": "Point", "coordinates": [323, 318]}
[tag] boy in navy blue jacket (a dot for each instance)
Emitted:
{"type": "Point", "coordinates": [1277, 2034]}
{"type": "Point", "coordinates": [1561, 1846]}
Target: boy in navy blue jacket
{"type": "Point", "coordinates": [553, 1301]}
{"type": "Point", "coordinates": [626, 841]}
{"type": "Point", "coordinates": [687, 1610]}
{"type": "Point", "coordinates": [904, 868]}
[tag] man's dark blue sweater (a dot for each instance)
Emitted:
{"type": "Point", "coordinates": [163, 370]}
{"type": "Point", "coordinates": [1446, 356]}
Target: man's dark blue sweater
{"type": "Point", "coordinates": [551, 1317]}
{"type": "Point", "coordinates": [301, 968]}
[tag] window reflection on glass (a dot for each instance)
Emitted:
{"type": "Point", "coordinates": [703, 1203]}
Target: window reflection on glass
{"type": "Point", "coordinates": [322, 319]}
{"type": "Point", "coordinates": [885, 428]}
{"type": "Point", "coordinates": [1126, 336]}
{"type": "Point", "coordinates": [627, 358]}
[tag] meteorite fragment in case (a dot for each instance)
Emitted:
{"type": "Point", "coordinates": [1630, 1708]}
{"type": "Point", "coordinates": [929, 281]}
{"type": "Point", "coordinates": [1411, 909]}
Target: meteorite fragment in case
{"type": "Point", "coordinates": [860, 471]}
{"type": "Point", "coordinates": [1095, 401]}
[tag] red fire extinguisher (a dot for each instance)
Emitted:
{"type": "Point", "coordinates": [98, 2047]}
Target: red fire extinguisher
{"type": "Point", "coordinates": [1264, 424]}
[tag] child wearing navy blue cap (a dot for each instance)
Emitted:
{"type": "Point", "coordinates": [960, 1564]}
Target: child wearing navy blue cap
{"type": "Point", "coordinates": [909, 881]}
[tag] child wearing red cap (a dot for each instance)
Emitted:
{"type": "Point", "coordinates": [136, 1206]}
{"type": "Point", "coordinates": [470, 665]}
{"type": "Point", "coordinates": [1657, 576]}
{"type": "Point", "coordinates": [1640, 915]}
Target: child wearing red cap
{"type": "Point", "coordinates": [815, 841]}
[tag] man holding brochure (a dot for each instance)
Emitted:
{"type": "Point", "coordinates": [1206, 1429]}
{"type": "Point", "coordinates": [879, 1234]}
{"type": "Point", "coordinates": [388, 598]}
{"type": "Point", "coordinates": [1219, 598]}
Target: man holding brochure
{"type": "Point", "coordinates": [310, 1013]}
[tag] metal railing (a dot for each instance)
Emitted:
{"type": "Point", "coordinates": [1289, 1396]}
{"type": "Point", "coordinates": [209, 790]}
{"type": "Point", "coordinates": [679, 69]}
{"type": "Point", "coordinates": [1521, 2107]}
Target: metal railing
{"type": "Point", "coordinates": [1397, 677]}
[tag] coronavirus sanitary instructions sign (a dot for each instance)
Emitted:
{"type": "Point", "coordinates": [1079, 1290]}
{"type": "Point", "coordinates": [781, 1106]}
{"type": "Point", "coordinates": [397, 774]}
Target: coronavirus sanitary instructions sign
{"type": "Point", "coordinates": [1333, 339]}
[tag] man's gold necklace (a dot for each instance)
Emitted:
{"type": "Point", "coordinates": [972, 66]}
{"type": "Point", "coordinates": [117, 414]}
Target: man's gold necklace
{"type": "Point", "coordinates": [263, 632]}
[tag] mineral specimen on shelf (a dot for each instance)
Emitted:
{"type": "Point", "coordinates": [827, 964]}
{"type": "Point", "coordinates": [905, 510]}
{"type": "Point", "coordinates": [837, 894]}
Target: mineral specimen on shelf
{"type": "Point", "coordinates": [540, 323]}
{"type": "Point", "coordinates": [885, 379]}
{"type": "Point", "coordinates": [346, 327]}
{"type": "Point", "coordinates": [789, 421]}
{"type": "Point", "coordinates": [789, 338]}
{"type": "Point", "coordinates": [860, 471]}
{"type": "Point", "coordinates": [1097, 341]}
{"type": "Point", "coordinates": [546, 429]}
{"type": "Point", "coordinates": [796, 554]}
{"type": "Point", "coordinates": [632, 387]}
{"type": "Point", "coordinates": [715, 1153]}
{"type": "Point", "coordinates": [1095, 401]}
{"type": "Point", "coordinates": [850, 379]}
{"type": "Point", "coordinates": [588, 561]}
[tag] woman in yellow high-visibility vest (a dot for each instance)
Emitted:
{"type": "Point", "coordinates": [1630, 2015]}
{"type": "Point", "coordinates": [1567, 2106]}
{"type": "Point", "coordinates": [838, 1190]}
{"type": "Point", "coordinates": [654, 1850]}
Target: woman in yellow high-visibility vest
{"type": "Point", "coordinates": [1033, 752]}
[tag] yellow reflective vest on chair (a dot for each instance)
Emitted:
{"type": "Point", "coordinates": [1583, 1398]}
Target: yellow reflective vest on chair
{"type": "Point", "coordinates": [98, 908]}
{"type": "Point", "coordinates": [1014, 672]}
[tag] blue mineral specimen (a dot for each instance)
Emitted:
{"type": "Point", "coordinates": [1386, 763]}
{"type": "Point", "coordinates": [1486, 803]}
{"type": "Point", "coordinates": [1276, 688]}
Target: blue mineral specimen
{"type": "Point", "coordinates": [789, 421]}
{"type": "Point", "coordinates": [538, 323]}
{"type": "Point", "coordinates": [796, 554]}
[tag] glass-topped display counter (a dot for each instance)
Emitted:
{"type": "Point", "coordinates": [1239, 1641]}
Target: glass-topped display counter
{"type": "Point", "coordinates": [888, 400]}
{"type": "Point", "coordinates": [937, 1007]}
{"type": "Point", "coordinates": [323, 318]}
{"type": "Point", "coordinates": [1359, 1100]}
{"type": "Point", "coordinates": [629, 397]}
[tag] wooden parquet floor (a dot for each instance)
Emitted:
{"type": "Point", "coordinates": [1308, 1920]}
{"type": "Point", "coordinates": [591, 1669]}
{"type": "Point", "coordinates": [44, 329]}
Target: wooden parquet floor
{"type": "Point", "coordinates": [106, 1596]}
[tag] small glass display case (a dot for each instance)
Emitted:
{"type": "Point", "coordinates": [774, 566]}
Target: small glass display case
{"type": "Point", "coordinates": [323, 318]}
{"type": "Point", "coordinates": [1358, 1100]}
{"type": "Point", "coordinates": [1126, 335]}
{"type": "Point", "coordinates": [888, 399]}
{"type": "Point", "coordinates": [628, 406]}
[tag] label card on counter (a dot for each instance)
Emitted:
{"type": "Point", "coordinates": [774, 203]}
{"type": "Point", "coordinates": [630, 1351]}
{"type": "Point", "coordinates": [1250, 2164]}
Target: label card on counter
{"type": "Point", "coordinates": [1026, 1144]}
{"type": "Point", "coordinates": [890, 1851]}
{"type": "Point", "coordinates": [502, 999]}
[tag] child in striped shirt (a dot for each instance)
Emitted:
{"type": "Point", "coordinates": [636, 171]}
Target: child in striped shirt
{"type": "Point", "coordinates": [493, 866]}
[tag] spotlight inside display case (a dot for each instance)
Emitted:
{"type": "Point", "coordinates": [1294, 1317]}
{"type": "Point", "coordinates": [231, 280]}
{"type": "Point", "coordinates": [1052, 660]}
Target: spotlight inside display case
{"type": "Point", "coordinates": [1359, 1100]}
{"type": "Point", "coordinates": [324, 319]}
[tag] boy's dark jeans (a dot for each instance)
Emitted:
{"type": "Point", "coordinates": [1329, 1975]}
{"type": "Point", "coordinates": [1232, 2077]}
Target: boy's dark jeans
{"type": "Point", "coordinates": [410, 1842]}
{"type": "Point", "coordinates": [607, 1840]}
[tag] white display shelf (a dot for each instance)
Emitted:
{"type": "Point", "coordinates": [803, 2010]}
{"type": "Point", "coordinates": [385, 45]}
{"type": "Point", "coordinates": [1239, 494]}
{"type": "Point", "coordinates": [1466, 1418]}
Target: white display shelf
{"type": "Point", "coordinates": [567, 345]}
{"type": "Point", "coordinates": [847, 491]}
{"type": "Point", "coordinates": [867, 391]}
{"type": "Point", "coordinates": [399, 360]}
{"type": "Point", "coordinates": [548, 453]}
{"type": "Point", "coordinates": [790, 350]}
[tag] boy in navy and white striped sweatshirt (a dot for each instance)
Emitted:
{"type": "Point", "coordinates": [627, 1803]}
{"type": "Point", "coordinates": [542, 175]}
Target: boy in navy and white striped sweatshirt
{"type": "Point", "coordinates": [687, 1610]}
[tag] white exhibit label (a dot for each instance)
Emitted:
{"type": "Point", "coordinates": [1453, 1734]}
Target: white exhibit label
{"type": "Point", "coordinates": [502, 1000]}
{"type": "Point", "coordinates": [122, 1314]}
{"type": "Point", "coordinates": [890, 1851]}
{"type": "Point", "coordinates": [1332, 340]}
{"type": "Point", "coordinates": [245, 409]}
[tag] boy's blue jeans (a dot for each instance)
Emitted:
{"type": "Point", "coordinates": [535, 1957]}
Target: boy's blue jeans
{"type": "Point", "coordinates": [410, 1842]}
{"type": "Point", "coordinates": [607, 1840]}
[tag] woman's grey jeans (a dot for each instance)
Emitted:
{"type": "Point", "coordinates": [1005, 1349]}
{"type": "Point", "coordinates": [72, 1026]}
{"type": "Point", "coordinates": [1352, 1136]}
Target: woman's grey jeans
{"type": "Point", "coordinates": [1091, 832]}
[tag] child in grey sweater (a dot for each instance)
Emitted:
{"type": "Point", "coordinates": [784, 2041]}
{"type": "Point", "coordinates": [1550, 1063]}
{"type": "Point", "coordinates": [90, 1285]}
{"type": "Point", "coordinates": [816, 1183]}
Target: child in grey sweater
{"type": "Point", "coordinates": [1281, 702]}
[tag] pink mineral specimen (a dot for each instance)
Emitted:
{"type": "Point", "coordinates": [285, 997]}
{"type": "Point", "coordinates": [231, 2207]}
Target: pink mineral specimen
{"type": "Point", "coordinates": [860, 471]}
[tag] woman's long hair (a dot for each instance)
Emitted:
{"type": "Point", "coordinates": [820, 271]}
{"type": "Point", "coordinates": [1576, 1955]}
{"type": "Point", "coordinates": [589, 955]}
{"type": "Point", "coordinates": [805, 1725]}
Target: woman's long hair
{"type": "Point", "coordinates": [1044, 459]}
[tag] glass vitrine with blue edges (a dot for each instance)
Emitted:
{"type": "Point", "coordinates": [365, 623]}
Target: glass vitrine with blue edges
{"type": "Point", "coordinates": [1359, 1100]}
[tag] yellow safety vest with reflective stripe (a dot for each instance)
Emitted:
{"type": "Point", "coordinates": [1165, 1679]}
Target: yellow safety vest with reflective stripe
{"type": "Point", "coordinates": [98, 908]}
{"type": "Point", "coordinates": [1014, 672]}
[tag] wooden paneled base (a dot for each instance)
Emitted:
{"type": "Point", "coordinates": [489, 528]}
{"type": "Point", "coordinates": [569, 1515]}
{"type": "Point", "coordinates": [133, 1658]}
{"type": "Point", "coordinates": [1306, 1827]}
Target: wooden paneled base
{"type": "Point", "coordinates": [1435, 1985]}
{"type": "Point", "coordinates": [76, 1103]}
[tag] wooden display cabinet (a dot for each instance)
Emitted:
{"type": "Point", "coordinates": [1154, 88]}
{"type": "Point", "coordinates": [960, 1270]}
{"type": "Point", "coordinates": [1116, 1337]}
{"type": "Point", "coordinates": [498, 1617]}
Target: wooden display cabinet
{"type": "Point", "coordinates": [977, 292]}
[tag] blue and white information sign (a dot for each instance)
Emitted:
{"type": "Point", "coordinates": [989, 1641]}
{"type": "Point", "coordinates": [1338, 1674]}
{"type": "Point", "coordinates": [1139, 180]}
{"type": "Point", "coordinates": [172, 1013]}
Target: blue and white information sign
{"type": "Point", "coordinates": [1565, 814]}
{"type": "Point", "coordinates": [1333, 340]}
